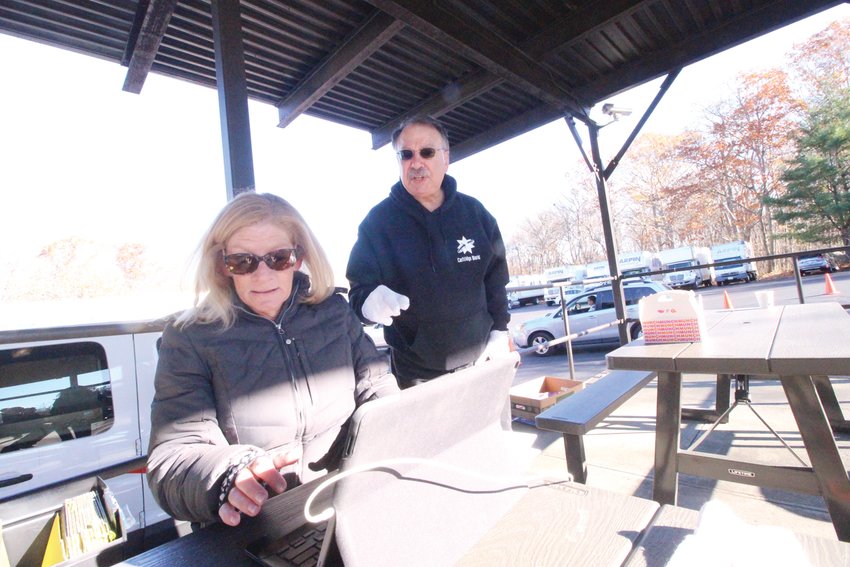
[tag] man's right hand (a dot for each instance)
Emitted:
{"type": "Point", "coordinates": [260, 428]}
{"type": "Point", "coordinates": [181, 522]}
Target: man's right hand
{"type": "Point", "coordinates": [383, 304]}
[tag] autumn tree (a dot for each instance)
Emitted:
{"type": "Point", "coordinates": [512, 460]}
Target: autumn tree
{"type": "Point", "coordinates": [578, 212]}
{"type": "Point", "coordinates": [130, 259]}
{"type": "Point", "coordinates": [651, 178]}
{"type": "Point", "coordinates": [535, 245]}
{"type": "Point", "coordinates": [79, 268]}
{"type": "Point", "coordinates": [821, 65]}
{"type": "Point", "coordinates": [816, 204]}
{"type": "Point", "coordinates": [726, 178]}
{"type": "Point", "coordinates": [738, 159]}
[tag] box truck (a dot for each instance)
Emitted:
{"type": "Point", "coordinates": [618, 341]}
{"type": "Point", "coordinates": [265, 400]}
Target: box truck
{"type": "Point", "coordinates": [563, 274]}
{"type": "Point", "coordinates": [633, 264]}
{"type": "Point", "coordinates": [520, 297]}
{"type": "Point", "coordinates": [737, 250]}
{"type": "Point", "coordinates": [692, 262]}
{"type": "Point", "coordinates": [597, 273]}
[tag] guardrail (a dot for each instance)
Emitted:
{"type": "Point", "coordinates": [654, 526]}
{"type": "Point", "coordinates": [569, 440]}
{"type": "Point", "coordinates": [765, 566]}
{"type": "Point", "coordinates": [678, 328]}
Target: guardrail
{"type": "Point", "coordinates": [569, 337]}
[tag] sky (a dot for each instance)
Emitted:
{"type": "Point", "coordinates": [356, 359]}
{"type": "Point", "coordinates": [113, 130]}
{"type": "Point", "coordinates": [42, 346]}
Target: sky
{"type": "Point", "coordinates": [80, 157]}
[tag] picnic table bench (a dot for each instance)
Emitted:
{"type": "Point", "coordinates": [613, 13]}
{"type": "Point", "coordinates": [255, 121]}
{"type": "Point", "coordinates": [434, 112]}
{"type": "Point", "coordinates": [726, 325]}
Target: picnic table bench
{"type": "Point", "coordinates": [579, 413]}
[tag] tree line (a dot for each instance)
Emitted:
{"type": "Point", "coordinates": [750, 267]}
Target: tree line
{"type": "Point", "coordinates": [769, 163]}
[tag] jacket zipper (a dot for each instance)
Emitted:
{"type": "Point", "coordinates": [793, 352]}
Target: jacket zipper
{"type": "Point", "coordinates": [284, 342]}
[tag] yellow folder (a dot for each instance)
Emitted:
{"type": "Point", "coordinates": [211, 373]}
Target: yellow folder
{"type": "Point", "coordinates": [53, 552]}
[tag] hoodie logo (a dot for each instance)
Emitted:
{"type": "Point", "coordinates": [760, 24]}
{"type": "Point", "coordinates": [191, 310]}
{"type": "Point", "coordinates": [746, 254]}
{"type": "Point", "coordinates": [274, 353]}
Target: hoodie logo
{"type": "Point", "coordinates": [465, 246]}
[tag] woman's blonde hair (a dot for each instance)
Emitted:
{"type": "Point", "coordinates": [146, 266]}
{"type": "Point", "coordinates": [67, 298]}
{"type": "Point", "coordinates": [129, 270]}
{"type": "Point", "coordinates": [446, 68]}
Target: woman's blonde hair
{"type": "Point", "coordinates": [212, 282]}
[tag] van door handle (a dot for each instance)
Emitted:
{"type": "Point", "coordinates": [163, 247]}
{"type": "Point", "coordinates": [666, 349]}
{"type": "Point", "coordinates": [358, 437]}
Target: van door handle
{"type": "Point", "coordinates": [15, 480]}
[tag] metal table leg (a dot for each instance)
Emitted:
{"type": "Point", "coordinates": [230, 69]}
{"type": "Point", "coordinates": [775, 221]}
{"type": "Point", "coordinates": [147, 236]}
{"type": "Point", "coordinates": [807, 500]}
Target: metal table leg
{"type": "Point", "coordinates": [721, 403]}
{"type": "Point", "coordinates": [823, 452]}
{"type": "Point", "coordinates": [826, 393]}
{"type": "Point", "coordinates": [667, 433]}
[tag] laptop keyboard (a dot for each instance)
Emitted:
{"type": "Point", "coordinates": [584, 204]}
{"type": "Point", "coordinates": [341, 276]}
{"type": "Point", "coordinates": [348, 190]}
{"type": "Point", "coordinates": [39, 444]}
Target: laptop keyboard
{"type": "Point", "coordinates": [299, 548]}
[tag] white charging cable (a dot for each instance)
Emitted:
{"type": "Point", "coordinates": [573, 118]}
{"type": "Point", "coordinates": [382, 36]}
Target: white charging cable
{"type": "Point", "coordinates": [327, 513]}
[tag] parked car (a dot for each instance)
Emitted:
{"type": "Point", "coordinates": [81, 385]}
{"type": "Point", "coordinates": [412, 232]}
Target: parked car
{"type": "Point", "coordinates": [817, 262]}
{"type": "Point", "coordinates": [538, 332]}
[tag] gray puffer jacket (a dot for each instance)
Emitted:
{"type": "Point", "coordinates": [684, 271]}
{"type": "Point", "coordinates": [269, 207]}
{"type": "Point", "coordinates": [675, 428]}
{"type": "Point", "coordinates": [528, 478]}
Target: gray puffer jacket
{"type": "Point", "coordinates": [220, 394]}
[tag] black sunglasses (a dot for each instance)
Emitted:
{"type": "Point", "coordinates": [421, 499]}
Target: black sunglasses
{"type": "Point", "coordinates": [244, 263]}
{"type": "Point", "coordinates": [424, 153]}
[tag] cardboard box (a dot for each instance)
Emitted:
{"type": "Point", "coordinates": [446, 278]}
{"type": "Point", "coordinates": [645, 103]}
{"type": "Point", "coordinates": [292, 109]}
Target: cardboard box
{"type": "Point", "coordinates": [532, 397]}
{"type": "Point", "coordinates": [31, 539]}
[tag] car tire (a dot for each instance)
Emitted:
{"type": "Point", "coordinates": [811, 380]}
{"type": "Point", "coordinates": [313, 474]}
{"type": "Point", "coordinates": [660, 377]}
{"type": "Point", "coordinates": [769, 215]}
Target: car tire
{"type": "Point", "coordinates": [636, 331]}
{"type": "Point", "coordinates": [540, 342]}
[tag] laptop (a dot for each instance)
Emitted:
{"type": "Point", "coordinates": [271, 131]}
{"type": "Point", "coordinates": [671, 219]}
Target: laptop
{"type": "Point", "coordinates": [439, 468]}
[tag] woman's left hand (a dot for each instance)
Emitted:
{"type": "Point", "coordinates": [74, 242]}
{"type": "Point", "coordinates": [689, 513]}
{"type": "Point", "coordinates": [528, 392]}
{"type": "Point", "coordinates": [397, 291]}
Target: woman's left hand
{"type": "Point", "coordinates": [249, 488]}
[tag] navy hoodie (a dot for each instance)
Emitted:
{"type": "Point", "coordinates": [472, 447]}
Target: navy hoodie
{"type": "Point", "coordinates": [449, 262]}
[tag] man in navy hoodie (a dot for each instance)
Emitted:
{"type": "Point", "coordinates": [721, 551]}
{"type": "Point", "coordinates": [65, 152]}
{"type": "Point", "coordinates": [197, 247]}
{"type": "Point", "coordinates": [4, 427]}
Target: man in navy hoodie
{"type": "Point", "coordinates": [429, 264]}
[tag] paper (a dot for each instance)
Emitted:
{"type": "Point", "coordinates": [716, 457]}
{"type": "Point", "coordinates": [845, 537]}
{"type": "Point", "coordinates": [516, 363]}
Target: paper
{"type": "Point", "coordinates": [84, 526]}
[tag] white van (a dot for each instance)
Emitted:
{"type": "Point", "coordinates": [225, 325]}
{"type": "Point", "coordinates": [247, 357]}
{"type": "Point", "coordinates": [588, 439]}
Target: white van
{"type": "Point", "coordinates": [75, 405]}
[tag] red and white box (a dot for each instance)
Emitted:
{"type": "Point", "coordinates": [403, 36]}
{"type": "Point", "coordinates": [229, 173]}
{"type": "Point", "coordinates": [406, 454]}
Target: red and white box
{"type": "Point", "coordinates": [671, 317]}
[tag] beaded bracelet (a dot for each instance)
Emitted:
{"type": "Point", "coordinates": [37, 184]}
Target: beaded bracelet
{"type": "Point", "coordinates": [232, 471]}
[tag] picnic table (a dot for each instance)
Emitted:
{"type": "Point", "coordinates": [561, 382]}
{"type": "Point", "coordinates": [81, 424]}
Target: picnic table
{"type": "Point", "coordinates": [800, 345]}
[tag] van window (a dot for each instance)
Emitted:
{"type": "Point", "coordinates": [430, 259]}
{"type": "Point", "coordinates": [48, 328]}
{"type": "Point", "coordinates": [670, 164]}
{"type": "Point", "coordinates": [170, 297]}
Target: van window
{"type": "Point", "coordinates": [54, 393]}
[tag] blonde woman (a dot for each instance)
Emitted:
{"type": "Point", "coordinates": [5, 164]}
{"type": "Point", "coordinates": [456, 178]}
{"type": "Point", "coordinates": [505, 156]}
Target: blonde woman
{"type": "Point", "coordinates": [256, 382]}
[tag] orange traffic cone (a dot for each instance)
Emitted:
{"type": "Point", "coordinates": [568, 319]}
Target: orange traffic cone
{"type": "Point", "coordinates": [830, 287]}
{"type": "Point", "coordinates": [727, 303]}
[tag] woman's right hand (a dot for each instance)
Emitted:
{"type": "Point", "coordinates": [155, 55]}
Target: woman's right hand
{"type": "Point", "coordinates": [249, 488]}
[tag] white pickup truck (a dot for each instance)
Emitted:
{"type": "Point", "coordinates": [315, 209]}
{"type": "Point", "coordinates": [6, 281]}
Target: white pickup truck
{"type": "Point", "coordinates": [74, 406]}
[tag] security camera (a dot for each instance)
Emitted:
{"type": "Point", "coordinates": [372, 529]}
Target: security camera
{"type": "Point", "coordinates": [615, 111]}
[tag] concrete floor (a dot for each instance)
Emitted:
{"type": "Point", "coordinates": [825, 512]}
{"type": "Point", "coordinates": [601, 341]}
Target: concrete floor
{"type": "Point", "coordinates": [620, 453]}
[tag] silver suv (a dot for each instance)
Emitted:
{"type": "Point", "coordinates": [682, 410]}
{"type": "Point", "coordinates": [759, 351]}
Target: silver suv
{"type": "Point", "coordinates": [538, 332]}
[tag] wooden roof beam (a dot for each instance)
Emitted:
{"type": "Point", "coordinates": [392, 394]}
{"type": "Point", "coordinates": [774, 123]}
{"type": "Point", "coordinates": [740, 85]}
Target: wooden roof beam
{"type": "Point", "coordinates": [451, 96]}
{"type": "Point", "coordinates": [479, 45]}
{"type": "Point", "coordinates": [698, 47]}
{"type": "Point", "coordinates": [504, 131]}
{"type": "Point", "coordinates": [152, 30]}
{"type": "Point", "coordinates": [564, 30]}
{"type": "Point", "coordinates": [374, 33]}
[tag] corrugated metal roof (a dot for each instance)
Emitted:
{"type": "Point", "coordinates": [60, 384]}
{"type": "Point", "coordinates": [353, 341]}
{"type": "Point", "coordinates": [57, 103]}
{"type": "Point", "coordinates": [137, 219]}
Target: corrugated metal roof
{"type": "Point", "coordinates": [489, 69]}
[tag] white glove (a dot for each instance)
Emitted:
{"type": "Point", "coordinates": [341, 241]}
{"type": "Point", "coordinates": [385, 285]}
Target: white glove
{"type": "Point", "coordinates": [383, 304]}
{"type": "Point", "coordinates": [498, 345]}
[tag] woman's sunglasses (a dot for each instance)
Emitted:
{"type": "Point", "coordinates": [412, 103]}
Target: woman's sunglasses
{"type": "Point", "coordinates": [424, 153]}
{"type": "Point", "coordinates": [244, 263]}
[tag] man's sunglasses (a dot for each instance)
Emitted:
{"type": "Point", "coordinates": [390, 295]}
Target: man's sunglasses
{"type": "Point", "coordinates": [424, 153]}
{"type": "Point", "coordinates": [244, 263]}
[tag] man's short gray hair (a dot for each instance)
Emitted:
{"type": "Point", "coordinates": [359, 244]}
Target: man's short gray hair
{"type": "Point", "coordinates": [422, 121]}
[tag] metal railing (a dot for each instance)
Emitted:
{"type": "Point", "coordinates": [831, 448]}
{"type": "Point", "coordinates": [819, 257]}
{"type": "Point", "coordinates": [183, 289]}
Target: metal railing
{"type": "Point", "coordinates": [569, 337]}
